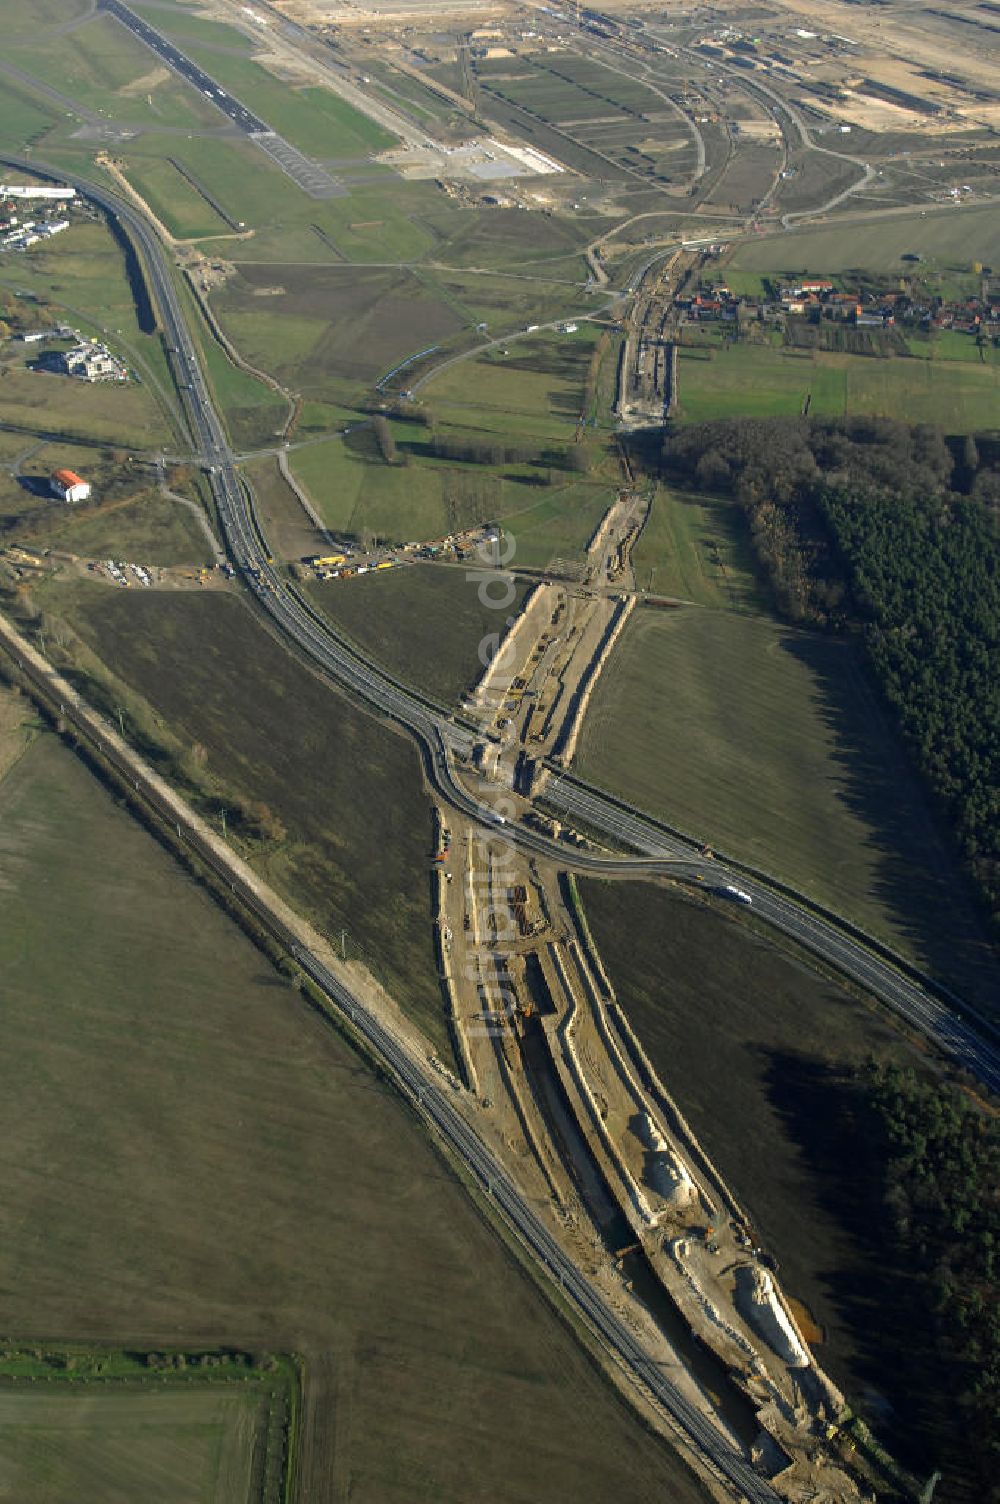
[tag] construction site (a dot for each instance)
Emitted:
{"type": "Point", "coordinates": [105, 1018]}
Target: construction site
{"type": "Point", "coordinates": [560, 1079]}
{"type": "Point", "coordinates": [647, 371]}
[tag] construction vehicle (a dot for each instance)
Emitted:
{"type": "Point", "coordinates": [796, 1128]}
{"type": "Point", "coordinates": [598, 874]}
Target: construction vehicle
{"type": "Point", "coordinates": [327, 561]}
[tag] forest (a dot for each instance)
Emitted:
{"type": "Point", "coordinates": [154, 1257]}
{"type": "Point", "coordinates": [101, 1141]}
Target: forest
{"type": "Point", "coordinates": [942, 1197]}
{"type": "Point", "coordinates": [892, 532]}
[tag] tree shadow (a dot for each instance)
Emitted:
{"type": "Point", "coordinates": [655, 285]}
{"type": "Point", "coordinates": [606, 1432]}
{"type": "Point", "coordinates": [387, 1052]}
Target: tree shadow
{"type": "Point", "coordinates": [893, 1374]}
{"type": "Point", "coordinates": [918, 880]}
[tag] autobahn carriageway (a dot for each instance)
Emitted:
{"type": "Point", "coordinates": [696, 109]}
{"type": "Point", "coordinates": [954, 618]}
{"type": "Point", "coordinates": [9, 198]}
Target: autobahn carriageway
{"type": "Point", "coordinates": [440, 737]}
{"type": "Point", "coordinates": [919, 1002]}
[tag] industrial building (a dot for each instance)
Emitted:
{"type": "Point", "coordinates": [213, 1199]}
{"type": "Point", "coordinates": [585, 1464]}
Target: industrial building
{"type": "Point", "coordinates": [25, 190]}
{"type": "Point", "coordinates": [69, 486]}
{"type": "Point", "coordinates": [91, 361]}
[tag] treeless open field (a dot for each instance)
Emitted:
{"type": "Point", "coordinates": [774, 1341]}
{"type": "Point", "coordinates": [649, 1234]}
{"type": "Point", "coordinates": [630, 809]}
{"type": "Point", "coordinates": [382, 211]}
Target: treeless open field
{"type": "Point", "coordinates": [961, 236]}
{"type": "Point", "coordinates": [308, 324]}
{"type": "Point", "coordinates": [424, 623]}
{"type": "Point", "coordinates": [107, 412]}
{"type": "Point", "coordinates": [770, 744]}
{"type": "Point", "coordinates": [195, 1157]}
{"type": "Point", "coordinates": [356, 846]}
{"type": "Point", "coordinates": [696, 548]}
{"type": "Point", "coordinates": [760, 381]}
{"type": "Point", "coordinates": [152, 530]}
{"type": "Point", "coordinates": [97, 64]}
{"type": "Point", "coordinates": [117, 1447]}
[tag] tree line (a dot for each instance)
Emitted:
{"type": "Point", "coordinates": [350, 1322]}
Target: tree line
{"type": "Point", "coordinates": [473, 449]}
{"type": "Point", "coordinates": [942, 1194]}
{"type": "Point", "coordinates": [892, 531]}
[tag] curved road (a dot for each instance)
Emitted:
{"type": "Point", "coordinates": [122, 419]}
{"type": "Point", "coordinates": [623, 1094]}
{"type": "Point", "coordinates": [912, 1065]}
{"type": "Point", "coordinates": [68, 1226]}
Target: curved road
{"type": "Point", "coordinates": [463, 1139]}
{"type": "Point", "coordinates": [439, 735]}
{"type": "Point", "coordinates": [415, 1082]}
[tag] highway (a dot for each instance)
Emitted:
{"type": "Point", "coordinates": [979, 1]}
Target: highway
{"type": "Point", "coordinates": [416, 1082]}
{"type": "Point", "coordinates": [439, 737]}
{"type": "Point", "coordinates": [823, 938]}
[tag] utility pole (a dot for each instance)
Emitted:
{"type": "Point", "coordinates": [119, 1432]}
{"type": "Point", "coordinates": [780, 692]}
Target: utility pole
{"type": "Point", "coordinates": [224, 835]}
{"type": "Point", "coordinates": [343, 945]}
{"type": "Point", "coordinates": [121, 721]}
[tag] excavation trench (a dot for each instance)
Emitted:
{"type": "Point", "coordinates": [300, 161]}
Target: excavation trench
{"type": "Point", "coordinates": [587, 1176]}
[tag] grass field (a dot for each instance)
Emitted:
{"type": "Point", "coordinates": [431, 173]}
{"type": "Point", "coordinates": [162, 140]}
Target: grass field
{"type": "Point", "coordinates": [119, 415]}
{"type": "Point", "coordinates": [385, 220]}
{"type": "Point", "coordinates": [356, 493]}
{"type": "Point", "coordinates": [186, 213]}
{"type": "Point", "coordinates": [816, 178]}
{"type": "Point", "coordinates": [516, 239]}
{"type": "Point", "coordinates": [82, 276]}
{"type": "Point", "coordinates": [375, 221]}
{"type": "Point", "coordinates": [504, 302]}
{"type": "Point", "coordinates": [151, 530]}
{"type": "Point", "coordinates": [24, 18]}
{"type": "Point", "coordinates": [356, 849]}
{"type": "Point", "coordinates": [425, 623]}
{"type": "Point", "coordinates": [746, 179]}
{"type": "Point", "coordinates": [289, 532]}
{"type": "Point", "coordinates": [166, 1448]}
{"type": "Point", "coordinates": [558, 526]}
{"type": "Point", "coordinates": [696, 548]}
{"type": "Point", "coordinates": [177, 20]}
{"type": "Point", "coordinates": [954, 236]}
{"type": "Point", "coordinates": [950, 345]}
{"type": "Point", "coordinates": [536, 388]}
{"type": "Point", "coordinates": [313, 119]}
{"type": "Point", "coordinates": [193, 1153]}
{"type": "Point", "coordinates": [237, 173]}
{"type": "Point", "coordinates": [104, 68]}
{"type": "Point", "coordinates": [254, 412]}
{"type": "Point", "coordinates": [746, 380]}
{"type": "Point", "coordinates": [330, 332]}
{"type": "Point", "coordinates": [768, 743]}
{"type": "Point", "coordinates": [762, 1057]}
{"type": "Point", "coordinates": [23, 119]}
{"type": "Point", "coordinates": [307, 325]}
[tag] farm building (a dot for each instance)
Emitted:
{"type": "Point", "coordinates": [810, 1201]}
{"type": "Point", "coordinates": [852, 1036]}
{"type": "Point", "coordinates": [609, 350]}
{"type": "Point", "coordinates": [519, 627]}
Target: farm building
{"type": "Point", "coordinates": [68, 486]}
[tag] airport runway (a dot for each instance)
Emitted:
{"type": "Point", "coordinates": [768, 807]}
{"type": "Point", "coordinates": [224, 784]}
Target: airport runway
{"type": "Point", "coordinates": [310, 177]}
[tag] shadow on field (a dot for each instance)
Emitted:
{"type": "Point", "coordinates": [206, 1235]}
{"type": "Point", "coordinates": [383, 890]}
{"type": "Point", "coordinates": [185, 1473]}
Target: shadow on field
{"type": "Point", "coordinates": [36, 485]}
{"type": "Point", "coordinates": [918, 880]}
{"type": "Point", "coordinates": [895, 1370]}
